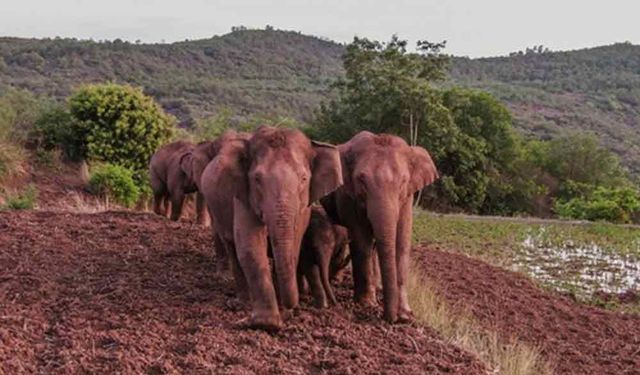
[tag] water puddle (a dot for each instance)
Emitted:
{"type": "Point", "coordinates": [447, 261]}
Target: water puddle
{"type": "Point", "coordinates": [579, 268]}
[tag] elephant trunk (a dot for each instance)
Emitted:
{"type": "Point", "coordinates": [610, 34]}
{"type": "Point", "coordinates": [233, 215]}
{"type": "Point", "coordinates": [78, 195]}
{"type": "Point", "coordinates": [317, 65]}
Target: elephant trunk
{"type": "Point", "coordinates": [281, 225]}
{"type": "Point", "coordinates": [383, 216]}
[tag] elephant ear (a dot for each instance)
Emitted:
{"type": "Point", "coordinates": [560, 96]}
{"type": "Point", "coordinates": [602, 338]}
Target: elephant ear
{"type": "Point", "coordinates": [186, 164]}
{"type": "Point", "coordinates": [423, 170]}
{"type": "Point", "coordinates": [326, 171]}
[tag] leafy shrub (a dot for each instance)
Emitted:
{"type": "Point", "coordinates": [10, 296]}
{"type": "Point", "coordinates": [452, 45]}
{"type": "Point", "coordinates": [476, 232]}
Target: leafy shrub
{"type": "Point", "coordinates": [19, 111]}
{"type": "Point", "coordinates": [24, 200]}
{"type": "Point", "coordinates": [117, 124]}
{"type": "Point", "coordinates": [48, 159]}
{"type": "Point", "coordinates": [114, 182]}
{"type": "Point", "coordinates": [618, 205]}
{"type": "Point", "coordinates": [54, 128]}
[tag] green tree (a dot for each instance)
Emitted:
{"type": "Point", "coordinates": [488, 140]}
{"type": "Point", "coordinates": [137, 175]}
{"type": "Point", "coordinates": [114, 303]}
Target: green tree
{"type": "Point", "coordinates": [385, 89]}
{"type": "Point", "coordinates": [117, 124]}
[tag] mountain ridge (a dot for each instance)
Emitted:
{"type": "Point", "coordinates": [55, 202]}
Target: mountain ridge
{"type": "Point", "coordinates": [287, 73]}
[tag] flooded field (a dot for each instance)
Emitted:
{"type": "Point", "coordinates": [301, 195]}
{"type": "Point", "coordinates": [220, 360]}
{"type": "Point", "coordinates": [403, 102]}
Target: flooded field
{"type": "Point", "coordinates": [594, 262]}
{"type": "Point", "coordinates": [583, 269]}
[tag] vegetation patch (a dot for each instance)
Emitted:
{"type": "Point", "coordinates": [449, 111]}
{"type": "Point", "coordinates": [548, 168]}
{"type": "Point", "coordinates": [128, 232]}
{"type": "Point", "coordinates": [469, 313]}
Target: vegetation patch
{"type": "Point", "coordinates": [460, 329]}
{"type": "Point", "coordinates": [21, 200]}
{"type": "Point", "coordinates": [114, 182]}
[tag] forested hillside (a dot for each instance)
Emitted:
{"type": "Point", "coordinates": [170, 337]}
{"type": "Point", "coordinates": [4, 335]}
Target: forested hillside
{"type": "Point", "coordinates": [250, 71]}
{"type": "Point", "coordinates": [549, 93]}
{"type": "Point", "coordinates": [272, 72]}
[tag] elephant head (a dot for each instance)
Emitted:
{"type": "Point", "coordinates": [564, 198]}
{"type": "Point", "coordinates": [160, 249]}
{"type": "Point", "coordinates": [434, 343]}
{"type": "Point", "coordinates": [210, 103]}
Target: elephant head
{"type": "Point", "coordinates": [285, 172]}
{"type": "Point", "coordinates": [381, 174]}
{"type": "Point", "coordinates": [203, 153]}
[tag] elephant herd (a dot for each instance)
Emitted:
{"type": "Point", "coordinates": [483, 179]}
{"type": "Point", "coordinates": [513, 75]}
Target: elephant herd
{"type": "Point", "coordinates": [261, 192]}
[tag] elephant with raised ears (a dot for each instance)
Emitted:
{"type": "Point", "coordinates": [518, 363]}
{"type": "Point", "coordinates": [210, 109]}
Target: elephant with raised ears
{"type": "Point", "coordinates": [381, 173]}
{"type": "Point", "coordinates": [171, 177]}
{"type": "Point", "coordinates": [270, 180]}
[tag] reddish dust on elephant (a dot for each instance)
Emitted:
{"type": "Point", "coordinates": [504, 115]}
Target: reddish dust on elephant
{"type": "Point", "coordinates": [174, 172]}
{"type": "Point", "coordinates": [258, 190]}
{"type": "Point", "coordinates": [135, 293]}
{"type": "Point", "coordinates": [381, 172]}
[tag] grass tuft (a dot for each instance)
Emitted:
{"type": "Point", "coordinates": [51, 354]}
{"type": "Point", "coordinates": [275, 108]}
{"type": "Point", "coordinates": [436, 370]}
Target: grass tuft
{"type": "Point", "coordinates": [24, 200]}
{"type": "Point", "coordinates": [81, 204]}
{"type": "Point", "coordinates": [459, 328]}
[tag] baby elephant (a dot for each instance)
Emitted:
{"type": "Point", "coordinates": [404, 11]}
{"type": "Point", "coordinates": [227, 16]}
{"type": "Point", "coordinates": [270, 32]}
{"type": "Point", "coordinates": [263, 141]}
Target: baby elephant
{"type": "Point", "coordinates": [324, 252]}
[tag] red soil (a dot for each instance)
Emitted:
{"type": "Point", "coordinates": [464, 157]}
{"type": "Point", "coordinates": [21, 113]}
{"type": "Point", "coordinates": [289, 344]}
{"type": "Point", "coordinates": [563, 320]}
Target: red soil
{"type": "Point", "coordinates": [575, 338]}
{"type": "Point", "coordinates": [121, 292]}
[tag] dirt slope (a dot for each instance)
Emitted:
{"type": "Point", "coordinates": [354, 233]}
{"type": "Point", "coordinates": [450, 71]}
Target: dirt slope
{"type": "Point", "coordinates": [577, 339]}
{"type": "Point", "coordinates": [123, 292]}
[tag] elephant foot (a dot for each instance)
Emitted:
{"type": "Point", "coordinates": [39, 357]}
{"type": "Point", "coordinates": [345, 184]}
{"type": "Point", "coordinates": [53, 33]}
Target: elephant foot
{"type": "Point", "coordinates": [243, 296]}
{"type": "Point", "coordinates": [390, 317]}
{"type": "Point", "coordinates": [265, 322]}
{"type": "Point", "coordinates": [368, 299]}
{"type": "Point", "coordinates": [222, 266]}
{"type": "Point", "coordinates": [321, 304]}
{"type": "Point", "coordinates": [406, 317]}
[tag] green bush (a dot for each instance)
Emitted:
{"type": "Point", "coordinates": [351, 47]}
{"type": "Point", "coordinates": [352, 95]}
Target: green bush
{"type": "Point", "coordinates": [114, 182]}
{"type": "Point", "coordinates": [618, 205]}
{"type": "Point", "coordinates": [25, 200]}
{"type": "Point", "coordinates": [117, 124]}
{"type": "Point", "coordinates": [19, 111]}
{"type": "Point", "coordinates": [54, 128]}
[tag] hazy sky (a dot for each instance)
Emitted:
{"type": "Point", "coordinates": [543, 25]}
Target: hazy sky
{"type": "Point", "coordinates": [471, 27]}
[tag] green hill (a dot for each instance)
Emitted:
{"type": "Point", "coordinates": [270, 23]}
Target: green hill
{"type": "Point", "coordinates": [549, 93]}
{"type": "Point", "coordinates": [251, 71]}
{"type": "Point", "coordinates": [288, 73]}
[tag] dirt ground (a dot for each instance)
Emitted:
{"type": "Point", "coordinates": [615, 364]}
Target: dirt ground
{"type": "Point", "coordinates": [121, 292]}
{"type": "Point", "coordinates": [575, 338]}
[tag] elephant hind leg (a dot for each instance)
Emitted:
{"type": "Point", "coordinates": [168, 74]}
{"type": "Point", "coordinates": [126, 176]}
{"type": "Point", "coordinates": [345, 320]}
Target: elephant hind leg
{"type": "Point", "coordinates": [238, 275]}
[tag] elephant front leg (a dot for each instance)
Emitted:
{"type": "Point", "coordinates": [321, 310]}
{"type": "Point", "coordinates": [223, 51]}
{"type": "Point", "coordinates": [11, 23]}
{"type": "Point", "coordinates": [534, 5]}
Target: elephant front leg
{"type": "Point", "coordinates": [177, 200]}
{"type": "Point", "coordinates": [361, 263]}
{"type": "Point", "coordinates": [202, 216]}
{"type": "Point", "coordinates": [315, 283]}
{"type": "Point", "coordinates": [403, 257]}
{"type": "Point", "coordinates": [250, 237]}
{"type": "Point", "coordinates": [222, 254]}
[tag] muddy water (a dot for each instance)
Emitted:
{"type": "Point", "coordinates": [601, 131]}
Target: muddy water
{"type": "Point", "coordinates": [579, 268]}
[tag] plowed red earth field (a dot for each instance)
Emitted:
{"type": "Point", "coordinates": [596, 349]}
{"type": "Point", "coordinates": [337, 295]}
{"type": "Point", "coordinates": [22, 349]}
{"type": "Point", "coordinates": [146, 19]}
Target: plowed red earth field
{"type": "Point", "coordinates": [122, 292]}
{"type": "Point", "coordinates": [575, 338]}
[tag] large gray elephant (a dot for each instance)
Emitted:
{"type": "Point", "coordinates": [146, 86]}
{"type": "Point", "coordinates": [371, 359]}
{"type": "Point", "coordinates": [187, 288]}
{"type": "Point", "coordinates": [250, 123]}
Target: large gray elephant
{"type": "Point", "coordinates": [259, 189]}
{"type": "Point", "coordinates": [381, 173]}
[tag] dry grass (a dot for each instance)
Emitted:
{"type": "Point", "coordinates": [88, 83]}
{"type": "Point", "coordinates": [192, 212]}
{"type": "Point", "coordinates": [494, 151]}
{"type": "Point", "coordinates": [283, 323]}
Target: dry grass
{"type": "Point", "coordinates": [459, 328]}
{"type": "Point", "coordinates": [12, 160]}
{"type": "Point", "coordinates": [79, 203]}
